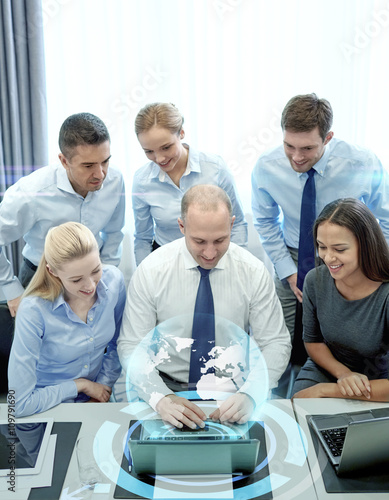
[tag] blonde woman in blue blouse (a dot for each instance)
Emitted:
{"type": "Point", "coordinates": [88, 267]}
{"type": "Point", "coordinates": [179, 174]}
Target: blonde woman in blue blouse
{"type": "Point", "coordinates": [174, 167]}
{"type": "Point", "coordinates": [64, 349]}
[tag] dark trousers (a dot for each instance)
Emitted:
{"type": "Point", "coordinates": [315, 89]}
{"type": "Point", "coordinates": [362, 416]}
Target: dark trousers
{"type": "Point", "coordinates": [27, 271]}
{"type": "Point", "coordinates": [155, 245]}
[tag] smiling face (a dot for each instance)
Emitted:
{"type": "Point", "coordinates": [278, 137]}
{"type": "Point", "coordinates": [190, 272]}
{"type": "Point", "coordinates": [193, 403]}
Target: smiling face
{"type": "Point", "coordinates": [338, 248]}
{"type": "Point", "coordinates": [87, 167]}
{"type": "Point", "coordinates": [80, 277]}
{"type": "Point", "coordinates": [164, 148]}
{"type": "Point", "coordinates": [207, 234]}
{"type": "Point", "coordinates": [304, 149]}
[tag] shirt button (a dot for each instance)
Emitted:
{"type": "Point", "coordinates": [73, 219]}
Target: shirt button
{"type": "Point", "coordinates": [91, 339]}
{"type": "Point", "coordinates": [90, 318]}
{"type": "Point", "coordinates": [85, 366]}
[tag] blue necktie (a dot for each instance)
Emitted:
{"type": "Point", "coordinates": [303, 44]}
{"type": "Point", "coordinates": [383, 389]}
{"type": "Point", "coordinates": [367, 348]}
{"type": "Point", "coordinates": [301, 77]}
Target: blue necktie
{"type": "Point", "coordinates": [306, 257]}
{"type": "Point", "coordinates": [203, 330]}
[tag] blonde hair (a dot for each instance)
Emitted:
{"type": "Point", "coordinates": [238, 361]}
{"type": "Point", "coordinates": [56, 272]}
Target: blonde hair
{"type": "Point", "coordinates": [159, 114]}
{"type": "Point", "coordinates": [63, 244]}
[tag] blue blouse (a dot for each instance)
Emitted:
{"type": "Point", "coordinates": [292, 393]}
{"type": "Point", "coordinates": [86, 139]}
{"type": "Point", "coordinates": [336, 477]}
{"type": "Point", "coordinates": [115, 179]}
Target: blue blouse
{"type": "Point", "coordinates": [156, 200]}
{"type": "Point", "coordinates": [52, 346]}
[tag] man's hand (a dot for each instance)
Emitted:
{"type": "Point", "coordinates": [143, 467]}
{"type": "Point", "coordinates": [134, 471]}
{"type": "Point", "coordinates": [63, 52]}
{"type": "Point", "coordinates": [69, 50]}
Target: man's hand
{"type": "Point", "coordinates": [292, 280]}
{"type": "Point", "coordinates": [99, 393]}
{"type": "Point", "coordinates": [13, 305]}
{"type": "Point", "coordinates": [179, 411]}
{"type": "Point", "coordinates": [354, 384]}
{"type": "Point", "coordinates": [237, 408]}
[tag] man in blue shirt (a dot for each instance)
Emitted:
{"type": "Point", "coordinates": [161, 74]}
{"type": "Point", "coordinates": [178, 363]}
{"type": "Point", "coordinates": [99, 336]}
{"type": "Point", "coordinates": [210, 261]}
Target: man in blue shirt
{"type": "Point", "coordinates": [278, 180]}
{"type": "Point", "coordinates": [80, 188]}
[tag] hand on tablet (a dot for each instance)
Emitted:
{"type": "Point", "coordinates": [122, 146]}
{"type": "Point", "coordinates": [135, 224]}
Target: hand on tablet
{"type": "Point", "coordinates": [237, 408]}
{"type": "Point", "coordinates": [179, 411]}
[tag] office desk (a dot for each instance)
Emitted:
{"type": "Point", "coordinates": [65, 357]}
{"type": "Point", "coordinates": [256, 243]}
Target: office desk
{"type": "Point", "coordinates": [304, 407]}
{"type": "Point", "coordinates": [289, 473]}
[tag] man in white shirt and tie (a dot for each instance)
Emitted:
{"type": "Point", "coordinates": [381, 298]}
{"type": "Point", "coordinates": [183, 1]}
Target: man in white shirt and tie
{"type": "Point", "coordinates": [164, 288]}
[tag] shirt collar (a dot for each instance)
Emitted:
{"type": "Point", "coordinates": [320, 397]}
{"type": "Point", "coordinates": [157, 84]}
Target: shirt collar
{"type": "Point", "coordinates": [193, 160]}
{"type": "Point", "coordinates": [190, 263]}
{"type": "Point", "coordinates": [321, 165]}
{"type": "Point", "coordinates": [64, 184]}
{"type": "Point", "coordinates": [192, 165]}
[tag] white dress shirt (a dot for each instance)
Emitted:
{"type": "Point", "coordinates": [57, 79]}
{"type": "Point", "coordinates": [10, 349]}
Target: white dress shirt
{"type": "Point", "coordinates": [164, 287]}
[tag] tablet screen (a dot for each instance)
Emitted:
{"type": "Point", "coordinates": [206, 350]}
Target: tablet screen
{"type": "Point", "coordinates": [23, 445]}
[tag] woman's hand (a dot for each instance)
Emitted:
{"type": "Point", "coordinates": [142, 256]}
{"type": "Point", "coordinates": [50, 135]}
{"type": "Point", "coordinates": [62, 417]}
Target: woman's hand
{"type": "Point", "coordinates": [354, 384]}
{"type": "Point", "coordinates": [310, 392]}
{"type": "Point", "coordinates": [98, 392]}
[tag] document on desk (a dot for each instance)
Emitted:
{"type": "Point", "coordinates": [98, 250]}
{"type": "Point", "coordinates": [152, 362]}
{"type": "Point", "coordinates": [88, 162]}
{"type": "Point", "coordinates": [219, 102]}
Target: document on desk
{"type": "Point", "coordinates": [25, 482]}
{"type": "Point", "coordinates": [193, 486]}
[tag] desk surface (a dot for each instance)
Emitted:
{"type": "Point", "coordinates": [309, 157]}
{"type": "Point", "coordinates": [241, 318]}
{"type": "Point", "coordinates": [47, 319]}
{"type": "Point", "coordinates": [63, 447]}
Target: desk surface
{"type": "Point", "coordinates": [289, 473]}
{"type": "Point", "coordinates": [304, 407]}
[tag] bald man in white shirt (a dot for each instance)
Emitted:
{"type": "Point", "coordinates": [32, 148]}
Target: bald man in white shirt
{"type": "Point", "coordinates": [165, 285]}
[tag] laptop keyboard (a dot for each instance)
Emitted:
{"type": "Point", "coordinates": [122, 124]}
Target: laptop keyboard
{"type": "Point", "coordinates": [187, 438]}
{"type": "Point", "coordinates": [335, 439]}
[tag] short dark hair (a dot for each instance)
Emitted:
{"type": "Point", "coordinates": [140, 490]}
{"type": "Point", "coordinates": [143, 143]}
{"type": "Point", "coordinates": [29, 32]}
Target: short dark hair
{"type": "Point", "coordinates": [303, 113]}
{"type": "Point", "coordinates": [354, 215]}
{"type": "Point", "coordinates": [81, 129]}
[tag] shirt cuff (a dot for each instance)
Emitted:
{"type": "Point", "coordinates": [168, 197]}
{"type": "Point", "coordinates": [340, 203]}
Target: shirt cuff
{"type": "Point", "coordinates": [12, 290]}
{"type": "Point", "coordinates": [68, 390]}
{"type": "Point", "coordinates": [155, 397]}
{"type": "Point", "coordinates": [285, 267]}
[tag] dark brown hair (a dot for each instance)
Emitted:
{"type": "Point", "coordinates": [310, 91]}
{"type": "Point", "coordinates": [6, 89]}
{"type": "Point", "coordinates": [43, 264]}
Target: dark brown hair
{"type": "Point", "coordinates": [79, 130]}
{"type": "Point", "coordinates": [373, 254]}
{"type": "Point", "coordinates": [303, 113]}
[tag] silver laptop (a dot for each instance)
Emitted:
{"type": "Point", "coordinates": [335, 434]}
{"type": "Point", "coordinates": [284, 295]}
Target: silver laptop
{"type": "Point", "coordinates": [159, 448]}
{"type": "Point", "coordinates": [355, 440]}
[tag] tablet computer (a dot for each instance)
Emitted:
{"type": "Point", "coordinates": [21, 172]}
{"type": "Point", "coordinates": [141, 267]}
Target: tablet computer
{"type": "Point", "coordinates": [23, 445]}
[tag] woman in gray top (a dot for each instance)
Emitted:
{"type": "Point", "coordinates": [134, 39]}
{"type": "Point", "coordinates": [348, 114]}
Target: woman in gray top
{"type": "Point", "coordinates": [346, 307]}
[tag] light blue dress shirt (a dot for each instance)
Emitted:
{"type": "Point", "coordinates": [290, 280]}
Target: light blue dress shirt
{"type": "Point", "coordinates": [46, 198]}
{"type": "Point", "coordinates": [344, 171]}
{"type": "Point", "coordinates": [156, 200]}
{"type": "Point", "coordinates": [52, 346]}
